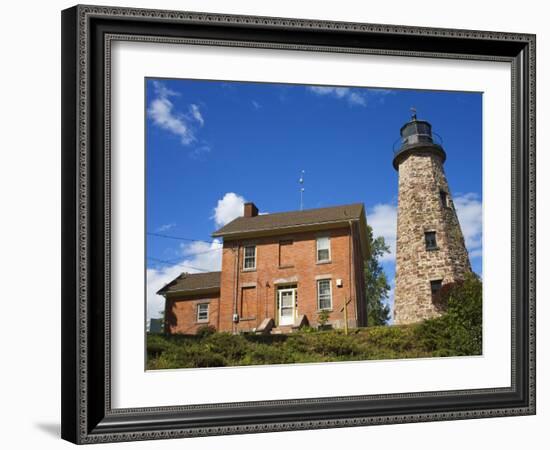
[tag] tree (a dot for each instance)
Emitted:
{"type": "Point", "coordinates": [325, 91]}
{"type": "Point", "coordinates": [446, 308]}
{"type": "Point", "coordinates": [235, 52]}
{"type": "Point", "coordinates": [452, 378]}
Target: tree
{"type": "Point", "coordinates": [458, 331]}
{"type": "Point", "coordinates": [376, 282]}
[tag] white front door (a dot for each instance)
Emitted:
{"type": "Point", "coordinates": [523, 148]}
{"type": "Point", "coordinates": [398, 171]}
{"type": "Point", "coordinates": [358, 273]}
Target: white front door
{"type": "Point", "coordinates": [287, 303]}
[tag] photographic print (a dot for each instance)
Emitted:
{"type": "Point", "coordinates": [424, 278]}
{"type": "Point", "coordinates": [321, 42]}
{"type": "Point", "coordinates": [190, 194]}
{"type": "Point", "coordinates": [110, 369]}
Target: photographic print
{"type": "Point", "coordinates": [292, 200]}
{"type": "Point", "coordinates": [301, 224]}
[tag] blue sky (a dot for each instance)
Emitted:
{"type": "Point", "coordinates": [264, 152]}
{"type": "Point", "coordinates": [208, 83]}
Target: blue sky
{"type": "Point", "coordinates": [211, 145]}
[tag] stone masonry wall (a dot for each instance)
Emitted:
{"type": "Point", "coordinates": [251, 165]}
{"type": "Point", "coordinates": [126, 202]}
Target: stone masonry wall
{"type": "Point", "coordinates": [421, 209]}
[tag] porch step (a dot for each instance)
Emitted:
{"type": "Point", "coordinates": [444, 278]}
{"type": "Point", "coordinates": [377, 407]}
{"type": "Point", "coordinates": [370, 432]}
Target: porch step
{"type": "Point", "coordinates": [266, 326]}
{"type": "Point", "coordinates": [283, 329]}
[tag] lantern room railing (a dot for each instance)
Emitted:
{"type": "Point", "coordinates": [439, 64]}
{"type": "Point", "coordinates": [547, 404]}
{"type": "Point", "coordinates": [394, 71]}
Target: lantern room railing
{"type": "Point", "coordinates": [403, 143]}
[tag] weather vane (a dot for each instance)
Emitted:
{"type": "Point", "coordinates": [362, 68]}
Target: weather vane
{"type": "Point", "coordinates": [413, 113]}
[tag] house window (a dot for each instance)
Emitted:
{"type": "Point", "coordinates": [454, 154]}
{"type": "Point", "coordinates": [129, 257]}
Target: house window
{"type": "Point", "coordinates": [324, 294]}
{"type": "Point", "coordinates": [323, 249]}
{"type": "Point", "coordinates": [249, 262]}
{"type": "Point", "coordinates": [285, 253]}
{"type": "Point", "coordinates": [431, 243]}
{"type": "Point", "coordinates": [202, 312]}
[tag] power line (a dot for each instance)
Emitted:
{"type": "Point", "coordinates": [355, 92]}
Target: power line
{"type": "Point", "coordinates": [167, 262]}
{"type": "Point", "coordinates": [172, 260]}
{"type": "Point", "coordinates": [178, 238]}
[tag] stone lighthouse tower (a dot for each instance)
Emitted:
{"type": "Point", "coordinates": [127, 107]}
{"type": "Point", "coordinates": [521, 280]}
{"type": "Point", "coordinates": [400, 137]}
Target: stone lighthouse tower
{"type": "Point", "coordinates": [430, 245]}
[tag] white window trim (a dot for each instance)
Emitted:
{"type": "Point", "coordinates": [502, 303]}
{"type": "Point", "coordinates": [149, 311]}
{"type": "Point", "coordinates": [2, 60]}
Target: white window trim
{"type": "Point", "coordinates": [255, 257]}
{"type": "Point", "coordinates": [317, 249]}
{"type": "Point", "coordinates": [319, 294]}
{"type": "Point", "coordinates": [207, 312]}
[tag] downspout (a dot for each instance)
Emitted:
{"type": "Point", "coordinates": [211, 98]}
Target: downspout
{"type": "Point", "coordinates": [220, 294]}
{"type": "Point", "coordinates": [236, 287]}
{"type": "Point", "coordinates": [352, 268]}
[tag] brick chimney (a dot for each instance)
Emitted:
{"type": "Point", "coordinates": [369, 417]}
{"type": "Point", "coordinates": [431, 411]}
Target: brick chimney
{"type": "Point", "coordinates": [250, 210]}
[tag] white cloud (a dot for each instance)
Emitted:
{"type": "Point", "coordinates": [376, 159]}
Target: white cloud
{"type": "Point", "coordinates": [165, 227]}
{"type": "Point", "coordinates": [353, 97]}
{"type": "Point", "coordinates": [228, 208]}
{"type": "Point", "coordinates": [199, 152]}
{"type": "Point", "coordinates": [161, 110]}
{"type": "Point", "coordinates": [203, 256]}
{"type": "Point", "coordinates": [197, 255]}
{"type": "Point", "coordinates": [470, 215]}
{"type": "Point", "coordinates": [383, 220]}
{"type": "Point", "coordinates": [357, 99]}
{"type": "Point", "coordinates": [196, 113]}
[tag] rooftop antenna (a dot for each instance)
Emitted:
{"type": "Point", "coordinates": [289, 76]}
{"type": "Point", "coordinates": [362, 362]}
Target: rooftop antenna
{"type": "Point", "coordinates": [302, 190]}
{"type": "Point", "coordinates": [413, 113]}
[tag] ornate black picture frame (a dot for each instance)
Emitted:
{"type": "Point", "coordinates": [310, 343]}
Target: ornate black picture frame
{"type": "Point", "coordinates": [87, 33]}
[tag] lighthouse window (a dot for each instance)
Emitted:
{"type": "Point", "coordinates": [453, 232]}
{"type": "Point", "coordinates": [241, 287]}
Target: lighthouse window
{"type": "Point", "coordinates": [431, 243]}
{"type": "Point", "coordinates": [444, 199]}
{"type": "Point", "coordinates": [435, 286]}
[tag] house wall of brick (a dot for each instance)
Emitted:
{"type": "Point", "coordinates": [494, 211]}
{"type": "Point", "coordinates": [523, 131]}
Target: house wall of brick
{"type": "Point", "coordinates": [181, 313]}
{"type": "Point", "coordinates": [252, 294]}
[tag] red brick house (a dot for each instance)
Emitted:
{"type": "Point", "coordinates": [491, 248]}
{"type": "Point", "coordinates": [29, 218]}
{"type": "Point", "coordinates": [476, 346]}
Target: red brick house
{"type": "Point", "coordinates": [278, 270]}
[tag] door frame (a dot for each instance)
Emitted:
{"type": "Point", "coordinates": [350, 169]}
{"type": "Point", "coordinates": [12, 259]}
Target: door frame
{"type": "Point", "coordinates": [281, 289]}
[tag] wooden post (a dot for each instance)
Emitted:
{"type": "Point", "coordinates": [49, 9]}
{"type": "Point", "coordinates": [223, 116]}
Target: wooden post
{"type": "Point", "coordinates": [345, 309]}
{"type": "Point", "coordinates": [346, 318]}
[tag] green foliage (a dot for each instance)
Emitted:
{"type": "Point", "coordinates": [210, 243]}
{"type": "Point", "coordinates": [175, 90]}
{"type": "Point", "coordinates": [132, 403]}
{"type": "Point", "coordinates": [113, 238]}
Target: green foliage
{"type": "Point", "coordinates": [376, 283]}
{"type": "Point", "coordinates": [224, 349]}
{"type": "Point", "coordinates": [322, 317]}
{"type": "Point", "coordinates": [459, 330]}
{"type": "Point", "coordinates": [336, 344]}
{"type": "Point", "coordinates": [456, 333]}
{"type": "Point", "coordinates": [206, 330]}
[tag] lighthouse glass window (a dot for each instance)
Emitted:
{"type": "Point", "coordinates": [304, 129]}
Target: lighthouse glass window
{"type": "Point", "coordinates": [373, 228]}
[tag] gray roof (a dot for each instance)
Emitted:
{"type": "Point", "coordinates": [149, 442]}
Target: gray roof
{"type": "Point", "coordinates": [292, 219]}
{"type": "Point", "coordinates": [191, 283]}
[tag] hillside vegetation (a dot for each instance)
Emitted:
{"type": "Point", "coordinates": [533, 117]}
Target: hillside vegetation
{"type": "Point", "coordinates": [456, 333]}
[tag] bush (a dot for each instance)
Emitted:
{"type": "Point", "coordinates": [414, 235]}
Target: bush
{"type": "Point", "coordinates": [205, 331]}
{"type": "Point", "coordinates": [459, 330]}
{"type": "Point", "coordinates": [231, 346]}
{"type": "Point", "coordinates": [266, 354]}
{"type": "Point", "coordinates": [322, 318]}
{"type": "Point", "coordinates": [334, 343]}
{"type": "Point", "coordinates": [456, 333]}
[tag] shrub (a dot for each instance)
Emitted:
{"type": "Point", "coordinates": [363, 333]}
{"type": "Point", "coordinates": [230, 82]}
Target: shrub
{"type": "Point", "coordinates": [156, 345]}
{"type": "Point", "coordinates": [205, 331]}
{"type": "Point", "coordinates": [266, 354]}
{"type": "Point", "coordinates": [391, 337]}
{"type": "Point", "coordinates": [459, 330]}
{"type": "Point", "coordinates": [322, 318]}
{"type": "Point", "coordinates": [334, 344]}
{"type": "Point", "coordinates": [231, 346]}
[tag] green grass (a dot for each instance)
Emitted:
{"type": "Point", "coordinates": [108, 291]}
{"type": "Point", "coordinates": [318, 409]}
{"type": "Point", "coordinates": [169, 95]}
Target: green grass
{"type": "Point", "coordinates": [224, 349]}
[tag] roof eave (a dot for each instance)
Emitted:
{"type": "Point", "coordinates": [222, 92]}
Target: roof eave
{"type": "Point", "coordinates": [190, 292]}
{"type": "Point", "coordinates": [283, 230]}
